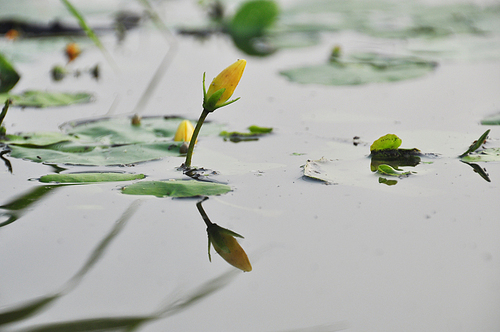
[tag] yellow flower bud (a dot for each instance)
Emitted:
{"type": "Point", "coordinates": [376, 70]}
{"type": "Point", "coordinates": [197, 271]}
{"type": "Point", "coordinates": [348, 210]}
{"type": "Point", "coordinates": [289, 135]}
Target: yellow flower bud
{"type": "Point", "coordinates": [228, 79]}
{"type": "Point", "coordinates": [184, 131]}
{"type": "Point", "coordinates": [224, 242]}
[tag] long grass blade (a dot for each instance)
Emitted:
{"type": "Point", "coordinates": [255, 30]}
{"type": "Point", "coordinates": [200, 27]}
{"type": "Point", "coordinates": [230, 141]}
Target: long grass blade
{"type": "Point", "coordinates": [90, 33]}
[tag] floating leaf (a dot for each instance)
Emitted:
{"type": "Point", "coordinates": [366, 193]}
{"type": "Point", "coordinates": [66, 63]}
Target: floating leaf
{"type": "Point", "coordinates": [386, 19]}
{"type": "Point", "coordinates": [491, 120]}
{"type": "Point", "coordinates": [476, 144]}
{"type": "Point", "coordinates": [390, 171]}
{"type": "Point", "coordinates": [386, 142]}
{"type": "Point", "coordinates": [253, 135]}
{"type": "Point", "coordinates": [260, 130]}
{"type": "Point", "coordinates": [8, 76]}
{"type": "Point", "coordinates": [486, 155]}
{"type": "Point", "coordinates": [90, 177]}
{"type": "Point", "coordinates": [361, 69]}
{"type": "Point", "coordinates": [176, 188]}
{"type": "Point", "coordinates": [102, 142]}
{"type": "Point", "coordinates": [46, 99]}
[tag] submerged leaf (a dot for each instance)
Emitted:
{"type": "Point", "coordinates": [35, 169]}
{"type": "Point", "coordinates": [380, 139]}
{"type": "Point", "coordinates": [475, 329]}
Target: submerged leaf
{"type": "Point", "coordinates": [90, 177]}
{"type": "Point", "coordinates": [176, 188]}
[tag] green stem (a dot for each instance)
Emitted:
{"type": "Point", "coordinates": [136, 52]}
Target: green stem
{"type": "Point", "coordinates": [189, 155]}
{"type": "Point", "coordinates": [203, 213]}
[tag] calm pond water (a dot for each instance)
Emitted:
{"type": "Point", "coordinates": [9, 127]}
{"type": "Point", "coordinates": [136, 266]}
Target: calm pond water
{"type": "Point", "coordinates": [356, 255]}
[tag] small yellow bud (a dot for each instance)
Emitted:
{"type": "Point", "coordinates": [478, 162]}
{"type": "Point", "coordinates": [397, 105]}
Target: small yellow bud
{"type": "Point", "coordinates": [228, 79]}
{"type": "Point", "coordinates": [72, 51]}
{"type": "Point", "coordinates": [184, 131]}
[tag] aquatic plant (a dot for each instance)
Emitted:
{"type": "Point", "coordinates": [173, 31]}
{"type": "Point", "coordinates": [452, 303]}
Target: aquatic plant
{"type": "Point", "coordinates": [217, 96]}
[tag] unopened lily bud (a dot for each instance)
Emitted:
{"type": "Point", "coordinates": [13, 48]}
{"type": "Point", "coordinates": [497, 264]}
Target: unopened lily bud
{"type": "Point", "coordinates": [223, 86]}
{"type": "Point", "coordinates": [72, 51]}
{"type": "Point", "coordinates": [224, 242]}
{"type": "Point", "coordinates": [184, 131]}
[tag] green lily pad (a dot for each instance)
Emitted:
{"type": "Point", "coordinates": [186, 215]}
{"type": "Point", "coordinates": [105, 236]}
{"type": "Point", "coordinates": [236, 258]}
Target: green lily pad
{"type": "Point", "coordinates": [8, 76]}
{"type": "Point", "coordinates": [103, 142]}
{"type": "Point", "coordinates": [176, 188]}
{"type": "Point", "coordinates": [90, 177]}
{"type": "Point", "coordinates": [361, 69]}
{"type": "Point", "coordinates": [46, 99]}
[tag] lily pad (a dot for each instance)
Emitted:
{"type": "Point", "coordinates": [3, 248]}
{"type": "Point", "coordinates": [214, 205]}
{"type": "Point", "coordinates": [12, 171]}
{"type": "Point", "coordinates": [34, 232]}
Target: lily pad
{"type": "Point", "coordinates": [362, 68]}
{"type": "Point", "coordinates": [176, 188]}
{"type": "Point", "coordinates": [103, 142]}
{"type": "Point", "coordinates": [46, 99]}
{"type": "Point", "coordinates": [90, 177]}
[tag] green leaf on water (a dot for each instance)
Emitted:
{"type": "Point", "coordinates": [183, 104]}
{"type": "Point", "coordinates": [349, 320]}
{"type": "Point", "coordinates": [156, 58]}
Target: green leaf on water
{"type": "Point", "coordinates": [176, 188]}
{"type": "Point", "coordinates": [361, 68]}
{"type": "Point", "coordinates": [491, 120]}
{"type": "Point", "coordinates": [260, 130]}
{"type": "Point", "coordinates": [46, 99]}
{"type": "Point", "coordinates": [253, 135]}
{"type": "Point", "coordinates": [476, 144]}
{"type": "Point", "coordinates": [103, 142]}
{"type": "Point", "coordinates": [486, 155]}
{"type": "Point", "coordinates": [8, 75]}
{"type": "Point", "coordinates": [90, 177]}
{"type": "Point", "coordinates": [390, 171]}
{"type": "Point", "coordinates": [386, 142]}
